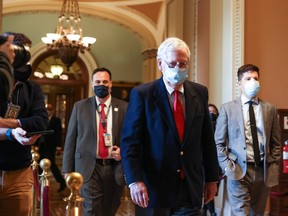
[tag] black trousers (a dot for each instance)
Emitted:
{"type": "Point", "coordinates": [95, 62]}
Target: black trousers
{"type": "Point", "coordinates": [182, 207]}
{"type": "Point", "coordinates": [101, 192]}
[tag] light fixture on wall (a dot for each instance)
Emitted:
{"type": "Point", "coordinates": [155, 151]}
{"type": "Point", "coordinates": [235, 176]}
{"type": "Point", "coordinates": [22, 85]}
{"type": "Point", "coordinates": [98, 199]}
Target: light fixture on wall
{"type": "Point", "coordinates": [68, 38]}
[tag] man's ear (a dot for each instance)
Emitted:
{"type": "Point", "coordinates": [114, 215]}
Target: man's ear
{"type": "Point", "coordinates": [239, 83]}
{"type": "Point", "coordinates": [159, 63]}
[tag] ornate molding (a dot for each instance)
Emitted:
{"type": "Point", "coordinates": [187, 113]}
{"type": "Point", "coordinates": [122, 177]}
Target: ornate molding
{"type": "Point", "coordinates": [149, 54]}
{"type": "Point", "coordinates": [194, 57]}
{"type": "Point", "coordinates": [238, 41]}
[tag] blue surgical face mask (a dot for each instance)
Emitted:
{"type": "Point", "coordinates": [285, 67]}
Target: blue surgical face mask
{"type": "Point", "coordinates": [251, 88]}
{"type": "Point", "coordinates": [175, 75]}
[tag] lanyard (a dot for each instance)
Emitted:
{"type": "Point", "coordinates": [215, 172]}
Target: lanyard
{"type": "Point", "coordinates": [103, 121]}
{"type": "Point", "coordinates": [12, 93]}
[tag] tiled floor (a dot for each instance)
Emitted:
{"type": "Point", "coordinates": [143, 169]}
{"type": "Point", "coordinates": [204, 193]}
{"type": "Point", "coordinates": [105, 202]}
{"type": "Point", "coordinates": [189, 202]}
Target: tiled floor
{"type": "Point", "coordinates": [58, 205]}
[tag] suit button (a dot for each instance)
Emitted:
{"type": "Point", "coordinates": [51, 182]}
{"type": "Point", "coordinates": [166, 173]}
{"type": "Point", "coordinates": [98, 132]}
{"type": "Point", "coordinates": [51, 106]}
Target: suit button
{"type": "Point", "coordinates": [181, 153]}
{"type": "Point", "coordinates": [178, 171]}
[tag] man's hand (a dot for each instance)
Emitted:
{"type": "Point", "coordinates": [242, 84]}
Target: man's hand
{"type": "Point", "coordinates": [19, 135]}
{"type": "Point", "coordinates": [210, 189]}
{"type": "Point", "coordinates": [116, 153]}
{"type": "Point", "coordinates": [58, 151]}
{"type": "Point", "coordinates": [139, 194]}
{"type": "Point", "coordinates": [66, 175]}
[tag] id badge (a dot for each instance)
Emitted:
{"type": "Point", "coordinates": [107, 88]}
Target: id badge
{"type": "Point", "coordinates": [12, 111]}
{"type": "Point", "coordinates": [107, 139]}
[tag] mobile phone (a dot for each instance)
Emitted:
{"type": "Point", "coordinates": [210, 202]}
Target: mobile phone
{"type": "Point", "coordinates": [29, 134]}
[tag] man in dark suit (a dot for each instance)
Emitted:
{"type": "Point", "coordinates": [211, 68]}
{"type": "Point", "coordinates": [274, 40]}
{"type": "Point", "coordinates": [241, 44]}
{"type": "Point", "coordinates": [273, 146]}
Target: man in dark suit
{"type": "Point", "coordinates": [52, 143]}
{"type": "Point", "coordinates": [251, 162]}
{"type": "Point", "coordinates": [167, 146]}
{"type": "Point", "coordinates": [92, 146]}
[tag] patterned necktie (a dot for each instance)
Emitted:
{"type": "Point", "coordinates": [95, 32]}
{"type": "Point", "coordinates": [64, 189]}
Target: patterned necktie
{"type": "Point", "coordinates": [257, 158]}
{"type": "Point", "coordinates": [178, 115]}
{"type": "Point", "coordinates": [103, 150]}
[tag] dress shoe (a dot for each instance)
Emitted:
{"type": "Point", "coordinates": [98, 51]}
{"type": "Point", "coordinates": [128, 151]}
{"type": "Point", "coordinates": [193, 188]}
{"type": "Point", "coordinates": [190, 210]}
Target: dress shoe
{"type": "Point", "coordinates": [62, 187]}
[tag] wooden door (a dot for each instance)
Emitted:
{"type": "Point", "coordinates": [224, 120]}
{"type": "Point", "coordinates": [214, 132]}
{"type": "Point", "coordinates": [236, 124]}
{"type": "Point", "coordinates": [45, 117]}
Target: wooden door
{"type": "Point", "coordinates": [63, 98]}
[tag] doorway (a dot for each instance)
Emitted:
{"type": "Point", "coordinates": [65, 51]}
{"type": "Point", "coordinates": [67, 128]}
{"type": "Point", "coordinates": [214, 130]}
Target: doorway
{"type": "Point", "coordinates": [62, 94]}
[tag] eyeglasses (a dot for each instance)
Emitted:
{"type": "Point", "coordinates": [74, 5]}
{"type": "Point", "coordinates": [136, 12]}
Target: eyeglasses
{"type": "Point", "coordinates": [180, 65]}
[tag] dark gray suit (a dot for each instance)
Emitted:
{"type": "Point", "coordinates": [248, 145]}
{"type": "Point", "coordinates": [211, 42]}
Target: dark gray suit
{"type": "Point", "coordinates": [231, 146]}
{"type": "Point", "coordinates": [80, 152]}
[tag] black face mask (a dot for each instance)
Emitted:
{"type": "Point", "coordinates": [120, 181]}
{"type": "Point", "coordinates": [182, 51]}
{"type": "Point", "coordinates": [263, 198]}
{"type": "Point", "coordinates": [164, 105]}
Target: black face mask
{"type": "Point", "coordinates": [101, 91]}
{"type": "Point", "coordinates": [213, 117]}
{"type": "Point", "coordinates": [23, 73]}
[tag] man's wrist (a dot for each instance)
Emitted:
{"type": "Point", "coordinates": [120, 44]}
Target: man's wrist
{"type": "Point", "coordinates": [9, 135]}
{"type": "Point", "coordinates": [19, 123]}
{"type": "Point", "coordinates": [133, 183]}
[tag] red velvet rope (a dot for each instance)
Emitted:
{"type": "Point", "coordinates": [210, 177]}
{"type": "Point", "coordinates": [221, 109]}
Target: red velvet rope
{"type": "Point", "coordinates": [36, 184]}
{"type": "Point", "coordinates": [278, 194]}
{"type": "Point", "coordinates": [46, 198]}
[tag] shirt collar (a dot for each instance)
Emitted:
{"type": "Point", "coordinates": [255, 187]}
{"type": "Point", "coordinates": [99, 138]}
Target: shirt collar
{"type": "Point", "coordinates": [170, 89]}
{"type": "Point", "coordinates": [107, 102]}
{"type": "Point", "coordinates": [245, 100]}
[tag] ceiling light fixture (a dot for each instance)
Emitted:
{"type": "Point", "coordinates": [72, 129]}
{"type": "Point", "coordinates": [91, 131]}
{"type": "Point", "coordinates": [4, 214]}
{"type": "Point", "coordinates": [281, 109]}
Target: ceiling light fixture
{"type": "Point", "coordinates": [68, 38]}
{"type": "Point", "coordinates": [56, 70]}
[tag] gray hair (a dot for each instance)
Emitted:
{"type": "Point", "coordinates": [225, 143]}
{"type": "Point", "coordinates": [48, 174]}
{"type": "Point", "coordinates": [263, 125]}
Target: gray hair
{"type": "Point", "coordinates": [170, 44]}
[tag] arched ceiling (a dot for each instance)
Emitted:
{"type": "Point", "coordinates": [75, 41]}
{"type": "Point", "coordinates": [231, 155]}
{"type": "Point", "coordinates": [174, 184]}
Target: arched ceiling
{"type": "Point", "coordinates": [144, 17]}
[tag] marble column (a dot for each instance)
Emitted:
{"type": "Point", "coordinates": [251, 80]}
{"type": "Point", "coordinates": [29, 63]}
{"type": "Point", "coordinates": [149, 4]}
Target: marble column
{"type": "Point", "coordinates": [181, 22]}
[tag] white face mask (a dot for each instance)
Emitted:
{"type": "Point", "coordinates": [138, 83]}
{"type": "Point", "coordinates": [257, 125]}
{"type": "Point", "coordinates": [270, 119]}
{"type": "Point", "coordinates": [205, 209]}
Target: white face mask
{"type": "Point", "coordinates": [175, 75]}
{"type": "Point", "coordinates": [251, 88]}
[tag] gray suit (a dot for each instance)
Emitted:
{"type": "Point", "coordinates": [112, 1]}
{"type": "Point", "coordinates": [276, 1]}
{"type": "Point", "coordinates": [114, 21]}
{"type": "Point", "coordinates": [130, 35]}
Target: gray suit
{"type": "Point", "coordinates": [231, 145]}
{"type": "Point", "coordinates": [80, 147]}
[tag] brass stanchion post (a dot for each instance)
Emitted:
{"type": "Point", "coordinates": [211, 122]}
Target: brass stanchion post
{"type": "Point", "coordinates": [35, 158]}
{"type": "Point", "coordinates": [74, 181]}
{"type": "Point", "coordinates": [45, 187]}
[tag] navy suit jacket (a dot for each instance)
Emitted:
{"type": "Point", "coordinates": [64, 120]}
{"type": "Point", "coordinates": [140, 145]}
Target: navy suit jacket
{"type": "Point", "coordinates": [151, 148]}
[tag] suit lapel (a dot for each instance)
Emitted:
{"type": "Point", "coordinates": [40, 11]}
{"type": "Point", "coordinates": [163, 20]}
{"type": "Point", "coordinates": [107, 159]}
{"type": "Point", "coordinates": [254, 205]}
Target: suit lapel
{"type": "Point", "coordinates": [115, 116]}
{"type": "Point", "coordinates": [163, 105]}
{"type": "Point", "coordinates": [238, 108]}
{"type": "Point", "coordinates": [92, 109]}
{"type": "Point", "coordinates": [265, 113]}
{"type": "Point", "coordinates": [191, 103]}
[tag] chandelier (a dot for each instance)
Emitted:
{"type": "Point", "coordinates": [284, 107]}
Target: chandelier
{"type": "Point", "coordinates": [56, 70]}
{"type": "Point", "coordinates": [68, 39]}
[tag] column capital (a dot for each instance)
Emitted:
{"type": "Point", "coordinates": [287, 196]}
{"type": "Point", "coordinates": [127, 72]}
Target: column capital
{"type": "Point", "coordinates": [149, 53]}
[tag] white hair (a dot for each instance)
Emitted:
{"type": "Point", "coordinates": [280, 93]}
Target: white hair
{"type": "Point", "coordinates": [171, 44]}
